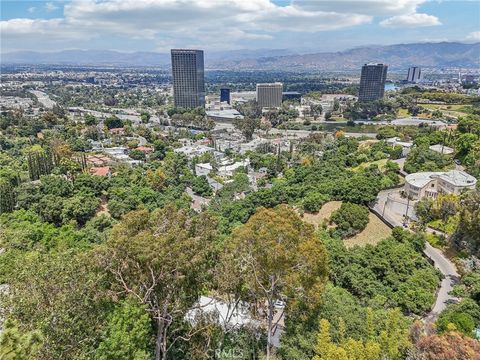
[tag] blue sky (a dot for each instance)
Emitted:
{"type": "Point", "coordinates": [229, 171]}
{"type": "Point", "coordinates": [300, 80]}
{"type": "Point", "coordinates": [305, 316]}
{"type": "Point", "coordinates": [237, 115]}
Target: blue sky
{"type": "Point", "coordinates": [302, 25]}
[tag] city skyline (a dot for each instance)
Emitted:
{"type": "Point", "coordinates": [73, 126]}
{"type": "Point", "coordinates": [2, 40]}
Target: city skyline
{"type": "Point", "coordinates": [228, 25]}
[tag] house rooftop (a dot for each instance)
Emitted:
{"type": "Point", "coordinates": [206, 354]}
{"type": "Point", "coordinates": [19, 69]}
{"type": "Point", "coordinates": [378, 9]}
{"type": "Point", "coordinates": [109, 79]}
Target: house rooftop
{"type": "Point", "coordinates": [458, 178]}
{"type": "Point", "coordinates": [442, 149]}
{"type": "Point", "coordinates": [100, 171]}
{"type": "Point", "coordinates": [455, 177]}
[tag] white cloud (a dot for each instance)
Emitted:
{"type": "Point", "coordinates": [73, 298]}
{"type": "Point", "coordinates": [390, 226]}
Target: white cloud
{"type": "Point", "coordinates": [208, 23]}
{"type": "Point", "coordinates": [16, 30]}
{"type": "Point", "coordinates": [411, 20]}
{"type": "Point", "coordinates": [366, 7]}
{"type": "Point", "coordinates": [50, 6]}
{"type": "Point", "coordinates": [32, 9]}
{"type": "Point", "coordinates": [473, 36]}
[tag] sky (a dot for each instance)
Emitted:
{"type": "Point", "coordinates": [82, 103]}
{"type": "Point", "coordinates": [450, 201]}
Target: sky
{"type": "Point", "coordinates": [220, 25]}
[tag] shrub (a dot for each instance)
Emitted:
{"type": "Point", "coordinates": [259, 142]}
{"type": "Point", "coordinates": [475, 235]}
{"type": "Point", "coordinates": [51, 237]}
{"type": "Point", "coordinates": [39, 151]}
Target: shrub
{"type": "Point", "coordinates": [314, 201]}
{"type": "Point", "coordinates": [350, 219]}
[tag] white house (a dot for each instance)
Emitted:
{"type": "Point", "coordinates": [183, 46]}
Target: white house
{"type": "Point", "coordinates": [228, 170]}
{"type": "Point", "coordinates": [430, 184]}
{"type": "Point", "coordinates": [203, 169]}
{"type": "Point", "coordinates": [227, 315]}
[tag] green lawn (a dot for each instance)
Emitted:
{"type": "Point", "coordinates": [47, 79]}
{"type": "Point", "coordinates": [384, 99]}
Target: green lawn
{"type": "Point", "coordinates": [453, 107]}
{"type": "Point", "coordinates": [454, 110]}
{"type": "Point", "coordinates": [381, 164]}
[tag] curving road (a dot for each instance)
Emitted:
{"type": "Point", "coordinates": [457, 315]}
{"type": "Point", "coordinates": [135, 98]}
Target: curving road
{"type": "Point", "coordinates": [451, 277]}
{"type": "Point", "coordinates": [440, 261]}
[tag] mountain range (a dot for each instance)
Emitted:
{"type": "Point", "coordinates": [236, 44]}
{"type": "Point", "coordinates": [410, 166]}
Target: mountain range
{"type": "Point", "coordinates": [400, 56]}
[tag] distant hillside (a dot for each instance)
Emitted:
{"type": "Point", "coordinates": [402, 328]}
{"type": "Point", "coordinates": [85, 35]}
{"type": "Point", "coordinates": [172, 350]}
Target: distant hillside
{"type": "Point", "coordinates": [400, 56]}
{"type": "Point", "coordinates": [444, 54]}
{"type": "Point", "coordinates": [87, 57]}
{"type": "Point", "coordinates": [117, 58]}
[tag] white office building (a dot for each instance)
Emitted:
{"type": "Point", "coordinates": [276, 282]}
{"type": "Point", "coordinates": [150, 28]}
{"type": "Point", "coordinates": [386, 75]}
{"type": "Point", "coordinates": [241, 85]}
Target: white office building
{"type": "Point", "coordinates": [414, 74]}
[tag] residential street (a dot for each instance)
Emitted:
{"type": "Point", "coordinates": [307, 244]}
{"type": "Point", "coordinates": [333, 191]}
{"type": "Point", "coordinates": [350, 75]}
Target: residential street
{"type": "Point", "coordinates": [444, 265]}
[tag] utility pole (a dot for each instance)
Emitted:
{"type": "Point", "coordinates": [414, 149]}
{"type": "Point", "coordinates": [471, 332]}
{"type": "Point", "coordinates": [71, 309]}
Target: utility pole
{"type": "Point", "coordinates": [405, 221]}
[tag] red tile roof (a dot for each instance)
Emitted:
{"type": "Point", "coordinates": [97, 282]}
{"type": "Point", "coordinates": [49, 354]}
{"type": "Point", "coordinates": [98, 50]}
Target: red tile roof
{"type": "Point", "coordinates": [145, 149]}
{"type": "Point", "coordinates": [100, 171]}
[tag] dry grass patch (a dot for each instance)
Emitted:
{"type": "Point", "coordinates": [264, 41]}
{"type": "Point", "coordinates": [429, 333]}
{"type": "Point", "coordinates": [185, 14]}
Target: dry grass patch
{"type": "Point", "coordinates": [367, 143]}
{"type": "Point", "coordinates": [324, 213]}
{"type": "Point", "coordinates": [375, 232]}
{"type": "Point", "coordinates": [103, 207]}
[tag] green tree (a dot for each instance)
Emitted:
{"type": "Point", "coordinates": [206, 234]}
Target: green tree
{"type": "Point", "coordinates": [128, 334]}
{"type": "Point", "coordinates": [247, 126]}
{"type": "Point", "coordinates": [201, 186]}
{"type": "Point", "coordinates": [160, 259]}
{"type": "Point", "coordinates": [350, 219]}
{"type": "Point", "coordinates": [280, 257]}
{"type": "Point", "coordinates": [7, 196]}
{"type": "Point", "coordinates": [464, 143]}
{"type": "Point", "coordinates": [113, 122]}
{"type": "Point", "coordinates": [137, 155]}
{"type": "Point", "coordinates": [89, 120]}
{"type": "Point", "coordinates": [80, 207]}
{"type": "Point", "coordinates": [421, 158]}
{"type": "Point", "coordinates": [313, 201]}
{"type": "Point", "coordinates": [60, 295]}
{"type": "Point", "coordinates": [50, 209]}
{"type": "Point", "coordinates": [316, 111]}
{"type": "Point", "coordinates": [145, 117]}
{"type": "Point", "coordinates": [39, 162]}
{"type": "Point", "coordinates": [16, 344]}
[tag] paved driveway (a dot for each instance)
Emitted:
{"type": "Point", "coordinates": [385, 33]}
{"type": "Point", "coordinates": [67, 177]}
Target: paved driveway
{"type": "Point", "coordinates": [440, 261]}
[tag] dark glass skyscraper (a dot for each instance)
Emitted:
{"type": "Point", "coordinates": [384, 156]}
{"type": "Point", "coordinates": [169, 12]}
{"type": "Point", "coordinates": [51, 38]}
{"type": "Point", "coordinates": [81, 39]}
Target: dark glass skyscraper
{"type": "Point", "coordinates": [372, 82]}
{"type": "Point", "coordinates": [188, 78]}
{"type": "Point", "coordinates": [225, 95]}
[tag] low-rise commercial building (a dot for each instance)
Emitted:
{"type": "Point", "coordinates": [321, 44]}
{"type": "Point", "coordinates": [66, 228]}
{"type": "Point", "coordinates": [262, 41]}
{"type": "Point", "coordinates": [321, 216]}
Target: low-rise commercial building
{"type": "Point", "coordinates": [225, 115]}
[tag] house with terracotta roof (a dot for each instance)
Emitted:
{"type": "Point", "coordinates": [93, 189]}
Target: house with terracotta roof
{"type": "Point", "coordinates": [145, 149]}
{"type": "Point", "coordinates": [98, 160]}
{"type": "Point", "coordinates": [100, 171]}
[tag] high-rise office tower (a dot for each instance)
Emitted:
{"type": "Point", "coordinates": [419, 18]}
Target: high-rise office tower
{"type": "Point", "coordinates": [225, 95]}
{"type": "Point", "coordinates": [372, 82]}
{"type": "Point", "coordinates": [269, 95]}
{"type": "Point", "coordinates": [188, 78]}
{"type": "Point", "coordinates": [414, 74]}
